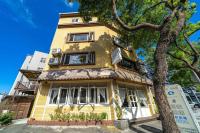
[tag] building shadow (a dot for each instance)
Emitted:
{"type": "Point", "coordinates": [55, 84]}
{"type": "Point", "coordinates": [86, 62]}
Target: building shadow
{"type": "Point", "coordinates": [147, 128]}
{"type": "Point", "coordinates": [151, 129]}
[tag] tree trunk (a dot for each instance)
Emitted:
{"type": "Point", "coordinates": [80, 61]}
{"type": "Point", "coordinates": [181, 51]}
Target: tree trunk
{"type": "Point", "coordinates": [167, 117]}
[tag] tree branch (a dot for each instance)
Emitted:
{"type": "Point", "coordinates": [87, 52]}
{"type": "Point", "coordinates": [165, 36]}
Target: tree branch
{"type": "Point", "coordinates": [147, 9]}
{"type": "Point", "coordinates": [183, 50]}
{"type": "Point", "coordinates": [181, 59]}
{"type": "Point", "coordinates": [190, 44]}
{"type": "Point", "coordinates": [132, 28]}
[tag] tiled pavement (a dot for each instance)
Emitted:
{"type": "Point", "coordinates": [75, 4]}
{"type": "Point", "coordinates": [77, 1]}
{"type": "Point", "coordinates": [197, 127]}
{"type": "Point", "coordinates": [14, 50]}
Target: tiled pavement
{"type": "Point", "coordinates": [148, 127]}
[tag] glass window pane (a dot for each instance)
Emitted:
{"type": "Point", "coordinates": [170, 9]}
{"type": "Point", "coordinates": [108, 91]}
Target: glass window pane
{"type": "Point", "coordinates": [54, 97]}
{"type": "Point", "coordinates": [102, 95]}
{"type": "Point", "coordinates": [63, 95]}
{"type": "Point", "coordinates": [78, 59]}
{"type": "Point", "coordinates": [92, 95]}
{"type": "Point", "coordinates": [142, 98]}
{"type": "Point", "coordinates": [74, 96]}
{"type": "Point", "coordinates": [123, 97]}
{"type": "Point", "coordinates": [71, 38]}
{"type": "Point", "coordinates": [81, 37]}
{"type": "Point", "coordinates": [83, 95]}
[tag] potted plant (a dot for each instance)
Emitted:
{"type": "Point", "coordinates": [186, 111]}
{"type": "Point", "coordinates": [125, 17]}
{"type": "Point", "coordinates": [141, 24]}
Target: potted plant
{"type": "Point", "coordinates": [120, 123]}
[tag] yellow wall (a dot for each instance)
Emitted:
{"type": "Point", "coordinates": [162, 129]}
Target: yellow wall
{"type": "Point", "coordinates": [102, 46]}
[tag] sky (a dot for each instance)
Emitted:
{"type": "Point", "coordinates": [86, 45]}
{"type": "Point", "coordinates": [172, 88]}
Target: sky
{"type": "Point", "coordinates": [29, 25]}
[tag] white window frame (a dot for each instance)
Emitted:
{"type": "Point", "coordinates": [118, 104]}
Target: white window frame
{"type": "Point", "coordinates": [145, 98]}
{"type": "Point", "coordinates": [50, 92]}
{"type": "Point", "coordinates": [98, 93]}
{"type": "Point", "coordinates": [75, 19]}
{"type": "Point", "coordinates": [86, 95]}
{"type": "Point", "coordinates": [73, 40]}
{"type": "Point", "coordinates": [95, 97]}
{"type": "Point", "coordinates": [69, 96]}
{"type": "Point", "coordinates": [66, 98]}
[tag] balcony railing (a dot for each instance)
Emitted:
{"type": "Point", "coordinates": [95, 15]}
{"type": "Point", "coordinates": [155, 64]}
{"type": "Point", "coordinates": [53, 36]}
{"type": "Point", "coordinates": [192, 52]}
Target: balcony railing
{"type": "Point", "coordinates": [27, 87]}
{"type": "Point", "coordinates": [128, 64]}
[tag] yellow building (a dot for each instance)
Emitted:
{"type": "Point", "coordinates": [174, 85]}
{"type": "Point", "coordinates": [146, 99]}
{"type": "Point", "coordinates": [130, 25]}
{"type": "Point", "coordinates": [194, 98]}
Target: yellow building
{"type": "Point", "coordinates": [84, 74]}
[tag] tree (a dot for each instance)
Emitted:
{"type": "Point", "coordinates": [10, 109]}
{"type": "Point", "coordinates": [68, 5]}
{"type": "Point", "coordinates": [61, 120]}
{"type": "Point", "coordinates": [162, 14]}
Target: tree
{"type": "Point", "coordinates": [183, 59]}
{"type": "Point", "coordinates": [146, 23]}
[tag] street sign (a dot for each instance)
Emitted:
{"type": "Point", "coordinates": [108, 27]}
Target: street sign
{"type": "Point", "coordinates": [183, 114]}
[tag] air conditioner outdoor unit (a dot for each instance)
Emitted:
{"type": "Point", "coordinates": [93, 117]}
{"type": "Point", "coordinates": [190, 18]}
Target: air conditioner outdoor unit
{"type": "Point", "coordinates": [56, 51]}
{"type": "Point", "coordinates": [54, 61]}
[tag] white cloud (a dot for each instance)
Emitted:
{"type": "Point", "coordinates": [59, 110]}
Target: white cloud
{"type": "Point", "coordinates": [69, 4]}
{"type": "Point", "coordinates": [18, 11]}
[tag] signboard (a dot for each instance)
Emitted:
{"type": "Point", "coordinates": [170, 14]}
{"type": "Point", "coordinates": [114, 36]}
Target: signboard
{"type": "Point", "coordinates": [182, 112]}
{"type": "Point", "coordinates": [116, 56]}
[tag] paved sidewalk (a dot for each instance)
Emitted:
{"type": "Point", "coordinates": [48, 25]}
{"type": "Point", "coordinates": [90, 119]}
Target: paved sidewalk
{"type": "Point", "coordinates": [149, 127]}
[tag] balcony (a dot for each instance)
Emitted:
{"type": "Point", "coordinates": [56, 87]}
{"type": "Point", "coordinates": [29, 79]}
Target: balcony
{"type": "Point", "coordinates": [128, 64]}
{"type": "Point", "coordinates": [29, 88]}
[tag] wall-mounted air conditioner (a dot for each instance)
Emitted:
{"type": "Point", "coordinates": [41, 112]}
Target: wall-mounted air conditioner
{"type": "Point", "coordinates": [56, 51]}
{"type": "Point", "coordinates": [54, 61]}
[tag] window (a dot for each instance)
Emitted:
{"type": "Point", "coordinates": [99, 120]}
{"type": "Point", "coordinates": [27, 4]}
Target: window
{"type": "Point", "coordinates": [39, 68]}
{"type": "Point", "coordinates": [93, 95]}
{"type": "Point", "coordinates": [79, 58]}
{"type": "Point", "coordinates": [102, 95]}
{"type": "Point", "coordinates": [54, 97]}
{"type": "Point", "coordinates": [142, 98]}
{"type": "Point", "coordinates": [63, 96]}
{"type": "Point", "coordinates": [79, 95]}
{"type": "Point", "coordinates": [127, 63]}
{"type": "Point", "coordinates": [132, 97]}
{"type": "Point", "coordinates": [43, 60]}
{"type": "Point", "coordinates": [74, 96]}
{"type": "Point", "coordinates": [75, 20]}
{"type": "Point", "coordinates": [83, 95]}
{"type": "Point", "coordinates": [123, 97]}
{"type": "Point", "coordinates": [78, 37]}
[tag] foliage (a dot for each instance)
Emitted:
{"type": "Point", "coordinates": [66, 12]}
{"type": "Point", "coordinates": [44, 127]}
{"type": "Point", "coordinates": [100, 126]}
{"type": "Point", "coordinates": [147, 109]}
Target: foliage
{"type": "Point", "coordinates": [6, 118]}
{"type": "Point", "coordinates": [79, 116]}
{"type": "Point", "coordinates": [118, 109]}
{"type": "Point", "coordinates": [149, 24]}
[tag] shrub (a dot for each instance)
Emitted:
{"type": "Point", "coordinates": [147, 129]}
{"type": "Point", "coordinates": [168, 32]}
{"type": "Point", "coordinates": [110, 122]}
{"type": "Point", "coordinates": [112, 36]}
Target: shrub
{"type": "Point", "coordinates": [6, 118]}
{"type": "Point", "coordinates": [66, 117]}
{"type": "Point", "coordinates": [103, 116]}
{"type": "Point", "coordinates": [82, 116]}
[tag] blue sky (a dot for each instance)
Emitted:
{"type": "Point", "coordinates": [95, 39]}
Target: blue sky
{"type": "Point", "coordinates": [29, 25]}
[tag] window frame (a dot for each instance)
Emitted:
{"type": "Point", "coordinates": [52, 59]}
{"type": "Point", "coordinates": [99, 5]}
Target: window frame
{"type": "Point", "coordinates": [43, 60]}
{"type": "Point", "coordinates": [75, 19]}
{"type": "Point", "coordinates": [69, 97]}
{"type": "Point", "coordinates": [90, 56]}
{"type": "Point", "coordinates": [86, 98]}
{"type": "Point", "coordinates": [90, 37]}
{"type": "Point", "coordinates": [50, 93]}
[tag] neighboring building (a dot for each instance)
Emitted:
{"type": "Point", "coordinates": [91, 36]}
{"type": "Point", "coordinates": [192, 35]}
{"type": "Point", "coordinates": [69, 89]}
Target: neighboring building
{"type": "Point", "coordinates": [32, 64]}
{"type": "Point", "coordinates": [192, 95]}
{"type": "Point", "coordinates": [84, 72]}
{"type": "Point", "coordinates": [22, 94]}
{"type": "Point", "coordinates": [1, 96]}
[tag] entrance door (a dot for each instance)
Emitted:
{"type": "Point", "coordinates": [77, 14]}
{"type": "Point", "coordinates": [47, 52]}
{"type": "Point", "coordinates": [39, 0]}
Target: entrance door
{"type": "Point", "coordinates": [134, 103]}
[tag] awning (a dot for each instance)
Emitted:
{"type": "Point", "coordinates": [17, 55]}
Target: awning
{"type": "Point", "coordinates": [93, 73]}
{"type": "Point", "coordinates": [32, 75]}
